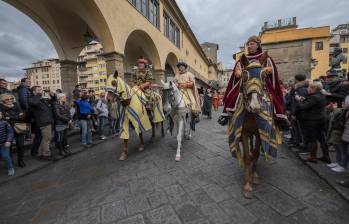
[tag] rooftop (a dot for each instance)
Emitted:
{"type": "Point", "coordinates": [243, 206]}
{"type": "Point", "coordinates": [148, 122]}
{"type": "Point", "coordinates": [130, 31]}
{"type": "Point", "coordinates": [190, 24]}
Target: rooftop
{"type": "Point", "coordinates": [294, 34]}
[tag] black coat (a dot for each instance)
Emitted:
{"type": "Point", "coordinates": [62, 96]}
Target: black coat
{"type": "Point", "coordinates": [42, 110]}
{"type": "Point", "coordinates": [62, 114]}
{"type": "Point", "coordinates": [313, 107]}
{"type": "Point", "coordinates": [12, 114]}
{"type": "Point", "coordinates": [301, 89]}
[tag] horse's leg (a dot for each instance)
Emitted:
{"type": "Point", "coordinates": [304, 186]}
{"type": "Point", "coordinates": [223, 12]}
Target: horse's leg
{"type": "Point", "coordinates": [247, 190]}
{"type": "Point", "coordinates": [179, 138]}
{"type": "Point", "coordinates": [256, 153]}
{"type": "Point", "coordinates": [153, 132]}
{"type": "Point", "coordinates": [141, 146]}
{"type": "Point", "coordinates": [124, 153]}
{"type": "Point", "coordinates": [162, 129]}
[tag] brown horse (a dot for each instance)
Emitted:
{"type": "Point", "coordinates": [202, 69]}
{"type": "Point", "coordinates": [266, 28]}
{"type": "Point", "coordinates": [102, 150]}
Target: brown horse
{"type": "Point", "coordinates": [253, 75]}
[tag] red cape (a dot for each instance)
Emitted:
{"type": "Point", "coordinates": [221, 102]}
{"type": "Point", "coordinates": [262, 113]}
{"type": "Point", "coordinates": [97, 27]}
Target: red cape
{"type": "Point", "coordinates": [272, 83]}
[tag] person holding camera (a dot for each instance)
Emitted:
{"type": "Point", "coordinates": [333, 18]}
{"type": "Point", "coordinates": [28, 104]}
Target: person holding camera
{"type": "Point", "coordinates": [41, 106]}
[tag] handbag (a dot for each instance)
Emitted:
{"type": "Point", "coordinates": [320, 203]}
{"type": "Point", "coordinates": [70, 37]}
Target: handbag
{"type": "Point", "coordinates": [21, 128]}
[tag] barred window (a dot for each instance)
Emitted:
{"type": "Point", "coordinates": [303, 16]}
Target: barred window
{"type": "Point", "coordinates": [149, 9]}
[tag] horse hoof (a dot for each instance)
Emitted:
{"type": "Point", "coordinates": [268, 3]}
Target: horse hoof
{"type": "Point", "coordinates": [257, 180]}
{"type": "Point", "coordinates": [248, 194]}
{"type": "Point", "coordinates": [178, 158]}
{"type": "Point", "coordinates": [123, 156]}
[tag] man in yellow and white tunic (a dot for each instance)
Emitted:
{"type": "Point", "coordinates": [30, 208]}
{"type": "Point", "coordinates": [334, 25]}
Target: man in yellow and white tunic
{"type": "Point", "coordinates": [143, 80]}
{"type": "Point", "coordinates": [186, 82]}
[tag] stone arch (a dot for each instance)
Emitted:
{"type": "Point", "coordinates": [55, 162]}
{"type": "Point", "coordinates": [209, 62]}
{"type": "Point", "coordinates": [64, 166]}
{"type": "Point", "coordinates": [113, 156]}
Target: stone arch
{"type": "Point", "coordinates": [171, 65]}
{"type": "Point", "coordinates": [139, 43]}
{"type": "Point", "coordinates": [65, 22]}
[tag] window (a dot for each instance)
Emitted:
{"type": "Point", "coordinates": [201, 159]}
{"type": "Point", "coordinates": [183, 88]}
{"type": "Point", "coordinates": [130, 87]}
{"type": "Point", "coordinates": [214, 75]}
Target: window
{"type": "Point", "coordinates": [57, 81]}
{"type": "Point", "coordinates": [344, 39]}
{"type": "Point", "coordinates": [319, 46]}
{"type": "Point", "coordinates": [345, 50]}
{"type": "Point", "coordinates": [149, 9]}
{"type": "Point", "coordinates": [171, 30]}
{"type": "Point", "coordinates": [53, 82]}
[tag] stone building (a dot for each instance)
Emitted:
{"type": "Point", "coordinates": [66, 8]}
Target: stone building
{"type": "Point", "coordinates": [296, 50]}
{"type": "Point", "coordinates": [127, 29]}
{"type": "Point", "coordinates": [211, 51]}
{"type": "Point", "coordinates": [45, 73]}
{"type": "Point", "coordinates": [92, 72]}
{"type": "Point", "coordinates": [340, 39]}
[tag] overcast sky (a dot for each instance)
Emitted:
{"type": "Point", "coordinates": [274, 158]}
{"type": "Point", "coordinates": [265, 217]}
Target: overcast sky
{"type": "Point", "coordinates": [226, 22]}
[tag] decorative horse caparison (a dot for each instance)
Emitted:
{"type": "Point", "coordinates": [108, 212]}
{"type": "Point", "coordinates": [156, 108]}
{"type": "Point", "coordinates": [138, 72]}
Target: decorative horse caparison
{"type": "Point", "coordinates": [178, 112]}
{"type": "Point", "coordinates": [252, 123]}
{"type": "Point", "coordinates": [134, 112]}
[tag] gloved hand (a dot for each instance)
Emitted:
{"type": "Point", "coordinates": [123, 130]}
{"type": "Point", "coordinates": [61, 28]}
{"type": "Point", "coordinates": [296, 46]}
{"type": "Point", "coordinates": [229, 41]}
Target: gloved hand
{"type": "Point", "coordinates": [223, 120]}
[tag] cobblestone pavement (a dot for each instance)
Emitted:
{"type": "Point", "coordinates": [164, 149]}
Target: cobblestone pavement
{"type": "Point", "coordinates": [205, 187]}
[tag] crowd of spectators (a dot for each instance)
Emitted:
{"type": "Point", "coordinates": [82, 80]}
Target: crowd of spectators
{"type": "Point", "coordinates": [41, 119]}
{"type": "Point", "coordinates": [318, 112]}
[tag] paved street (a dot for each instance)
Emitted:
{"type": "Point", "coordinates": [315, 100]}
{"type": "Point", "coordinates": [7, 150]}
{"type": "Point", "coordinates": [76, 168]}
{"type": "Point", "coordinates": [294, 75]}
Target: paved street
{"type": "Point", "coordinates": [205, 187]}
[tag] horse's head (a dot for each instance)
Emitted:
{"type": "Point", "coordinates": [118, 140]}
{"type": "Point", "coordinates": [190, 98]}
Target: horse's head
{"type": "Point", "coordinates": [168, 95]}
{"type": "Point", "coordinates": [253, 76]}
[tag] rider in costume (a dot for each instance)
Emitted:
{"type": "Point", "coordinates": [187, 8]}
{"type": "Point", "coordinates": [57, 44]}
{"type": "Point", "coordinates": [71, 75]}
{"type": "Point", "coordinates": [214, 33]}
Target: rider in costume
{"type": "Point", "coordinates": [233, 92]}
{"type": "Point", "coordinates": [185, 81]}
{"type": "Point", "coordinates": [144, 88]}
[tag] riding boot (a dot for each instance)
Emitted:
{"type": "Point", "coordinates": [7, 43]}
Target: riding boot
{"type": "Point", "coordinates": [325, 154]}
{"type": "Point", "coordinates": [313, 150]}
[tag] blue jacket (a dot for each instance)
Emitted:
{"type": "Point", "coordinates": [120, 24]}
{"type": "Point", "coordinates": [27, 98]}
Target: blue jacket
{"type": "Point", "coordinates": [6, 132]}
{"type": "Point", "coordinates": [83, 109]}
{"type": "Point", "coordinates": [23, 97]}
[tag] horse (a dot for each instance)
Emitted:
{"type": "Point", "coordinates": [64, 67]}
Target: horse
{"type": "Point", "coordinates": [178, 112]}
{"type": "Point", "coordinates": [133, 114]}
{"type": "Point", "coordinates": [252, 122]}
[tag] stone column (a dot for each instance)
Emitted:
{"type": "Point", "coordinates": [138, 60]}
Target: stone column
{"type": "Point", "coordinates": [159, 75]}
{"type": "Point", "coordinates": [114, 61]}
{"type": "Point", "coordinates": [69, 77]}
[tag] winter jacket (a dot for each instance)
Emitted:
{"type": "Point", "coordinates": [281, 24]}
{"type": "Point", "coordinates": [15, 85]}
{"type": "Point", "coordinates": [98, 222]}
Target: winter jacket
{"type": "Point", "coordinates": [12, 114]}
{"type": "Point", "coordinates": [42, 110]}
{"type": "Point", "coordinates": [313, 107]}
{"type": "Point", "coordinates": [6, 132]}
{"type": "Point", "coordinates": [83, 109]}
{"type": "Point", "coordinates": [62, 114]}
{"type": "Point", "coordinates": [24, 94]}
{"type": "Point", "coordinates": [4, 90]}
{"type": "Point", "coordinates": [336, 123]}
{"type": "Point", "coordinates": [301, 89]}
{"type": "Point", "coordinates": [113, 108]}
{"type": "Point", "coordinates": [102, 109]}
{"type": "Point", "coordinates": [345, 136]}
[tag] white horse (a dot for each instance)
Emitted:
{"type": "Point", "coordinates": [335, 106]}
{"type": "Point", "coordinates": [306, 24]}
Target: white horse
{"type": "Point", "coordinates": [177, 112]}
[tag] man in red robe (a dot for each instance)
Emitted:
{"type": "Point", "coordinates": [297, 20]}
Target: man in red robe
{"type": "Point", "coordinates": [272, 81]}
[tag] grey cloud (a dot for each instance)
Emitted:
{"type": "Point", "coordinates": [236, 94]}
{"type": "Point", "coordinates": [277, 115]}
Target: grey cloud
{"type": "Point", "coordinates": [230, 22]}
{"type": "Point", "coordinates": [226, 22]}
